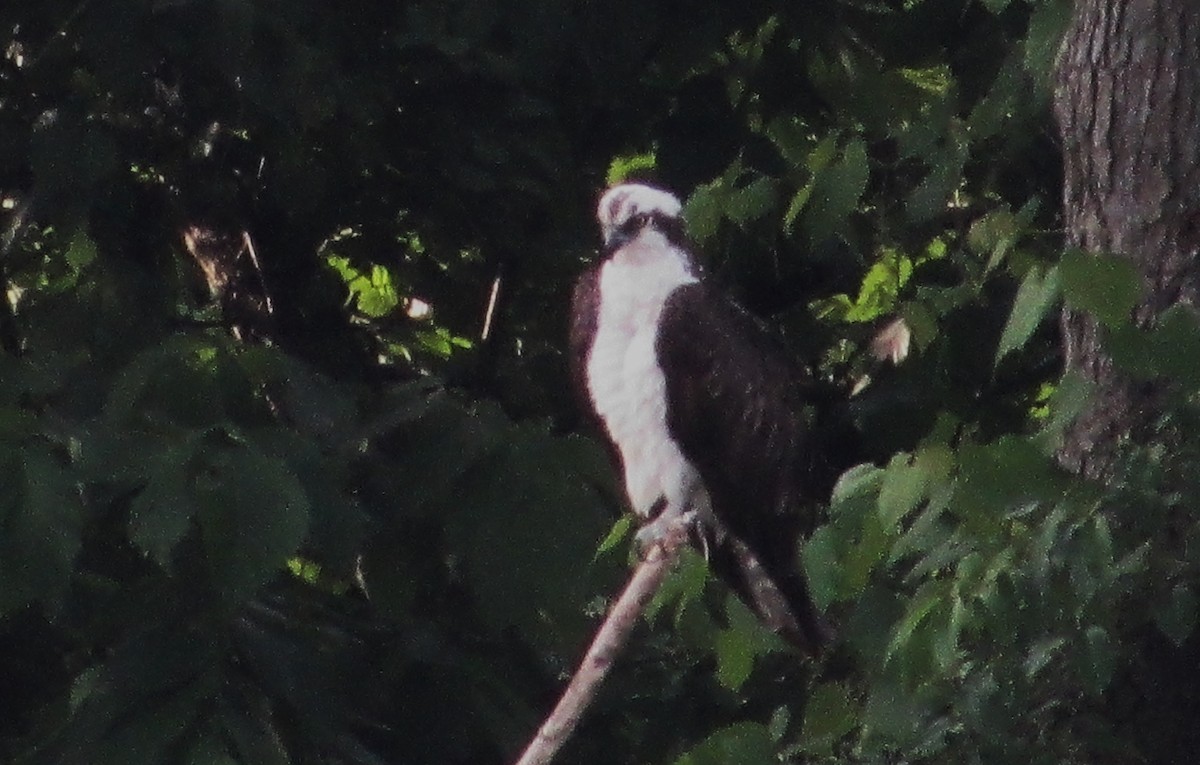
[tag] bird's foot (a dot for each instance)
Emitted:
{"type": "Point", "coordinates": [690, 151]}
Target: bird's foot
{"type": "Point", "coordinates": [667, 527]}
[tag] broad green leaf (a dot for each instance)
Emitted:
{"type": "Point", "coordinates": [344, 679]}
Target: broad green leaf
{"type": "Point", "coordinates": [253, 515]}
{"type": "Point", "coordinates": [1035, 296]}
{"type": "Point", "coordinates": [1176, 345]}
{"type": "Point", "coordinates": [943, 179]}
{"type": "Point", "coordinates": [735, 657]}
{"type": "Point", "coordinates": [507, 512]}
{"type": "Point", "coordinates": [1176, 618]}
{"type": "Point", "coordinates": [1002, 477]}
{"type": "Point", "coordinates": [829, 714]}
{"type": "Point", "coordinates": [793, 137]}
{"type": "Point", "coordinates": [816, 162]}
{"type": "Point", "coordinates": [751, 202]}
{"type": "Point", "coordinates": [903, 488]}
{"type": "Point", "coordinates": [910, 479]}
{"type": "Point", "coordinates": [993, 113]}
{"type": "Point", "coordinates": [1041, 553]}
{"type": "Point", "coordinates": [1070, 397]}
{"type": "Point", "coordinates": [41, 522]}
{"type": "Point", "coordinates": [739, 744]}
{"type": "Point", "coordinates": [704, 211]}
{"type": "Point", "coordinates": [864, 555]}
{"type": "Point", "coordinates": [880, 288]}
{"type": "Point", "coordinates": [858, 481]}
{"type": "Point", "coordinates": [929, 597]}
{"type": "Point", "coordinates": [162, 512]}
{"type": "Point", "coordinates": [893, 714]}
{"type": "Point", "coordinates": [836, 192]}
{"type": "Point", "coordinates": [1043, 40]}
{"type": "Point", "coordinates": [1106, 286]}
{"type": "Point", "coordinates": [821, 566]}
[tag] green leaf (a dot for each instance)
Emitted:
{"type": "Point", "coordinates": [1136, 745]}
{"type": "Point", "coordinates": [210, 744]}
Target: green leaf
{"type": "Point", "coordinates": [892, 714]}
{"type": "Point", "coordinates": [1043, 39]}
{"type": "Point", "coordinates": [862, 557]}
{"type": "Point", "coordinates": [40, 526]}
{"type": "Point", "coordinates": [1097, 660]}
{"type": "Point", "coordinates": [619, 531]}
{"type": "Point", "coordinates": [162, 513]}
{"type": "Point", "coordinates": [943, 179]}
{"type": "Point", "coordinates": [1041, 653]}
{"type": "Point", "coordinates": [81, 252]}
{"type": "Point", "coordinates": [930, 596]}
{"type": "Point", "coordinates": [253, 515]}
{"type": "Point", "coordinates": [1035, 296]}
{"type": "Point", "coordinates": [829, 714]}
{"type": "Point", "coordinates": [743, 743]}
{"type": "Point", "coordinates": [704, 211]}
{"type": "Point", "coordinates": [628, 166]}
{"type": "Point", "coordinates": [836, 192]}
{"type": "Point", "coordinates": [752, 201]}
{"type": "Point", "coordinates": [793, 137]}
{"type": "Point", "coordinates": [506, 512]}
{"type": "Point", "coordinates": [999, 477]}
{"type": "Point", "coordinates": [1175, 346]}
{"type": "Point", "coordinates": [682, 586]}
{"type": "Point", "coordinates": [858, 481]}
{"type": "Point", "coordinates": [735, 650]}
{"type": "Point", "coordinates": [1068, 401]}
{"type": "Point", "coordinates": [1176, 618]}
{"type": "Point", "coordinates": [821, 566]}
{"type": "Point", "coordinates": [1106, 286]}
{"type": "Point", "coordinates": [880, 288]}
{"type": "Point", "coordinates": [903, 488]}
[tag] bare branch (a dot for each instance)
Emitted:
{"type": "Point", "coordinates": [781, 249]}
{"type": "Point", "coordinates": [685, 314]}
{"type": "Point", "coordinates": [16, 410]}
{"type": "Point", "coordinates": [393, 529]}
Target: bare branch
{"type": "Point", "coordinates": [609, 640]}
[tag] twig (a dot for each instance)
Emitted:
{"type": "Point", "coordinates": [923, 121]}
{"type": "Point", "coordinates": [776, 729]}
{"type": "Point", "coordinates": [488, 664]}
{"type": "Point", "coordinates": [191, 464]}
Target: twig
{"type": "Point", "coordinates": [609, 641]}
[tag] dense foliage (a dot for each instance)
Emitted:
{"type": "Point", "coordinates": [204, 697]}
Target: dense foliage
{"type": "Point", "coordinates": [289, 469]}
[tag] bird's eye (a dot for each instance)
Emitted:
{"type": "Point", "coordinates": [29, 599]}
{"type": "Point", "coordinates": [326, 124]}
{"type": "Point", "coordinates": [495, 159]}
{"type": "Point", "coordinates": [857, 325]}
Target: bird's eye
{"type": "Point", "coordinates": [640, 219]}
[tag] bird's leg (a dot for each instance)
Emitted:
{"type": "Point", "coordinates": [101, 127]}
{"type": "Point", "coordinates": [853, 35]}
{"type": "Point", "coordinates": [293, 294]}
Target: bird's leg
{"type": "Point", "coordinates": [670, 518]}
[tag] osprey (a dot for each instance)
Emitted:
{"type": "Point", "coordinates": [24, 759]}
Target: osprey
{"type": "Point", "coordinates": [699, 406]}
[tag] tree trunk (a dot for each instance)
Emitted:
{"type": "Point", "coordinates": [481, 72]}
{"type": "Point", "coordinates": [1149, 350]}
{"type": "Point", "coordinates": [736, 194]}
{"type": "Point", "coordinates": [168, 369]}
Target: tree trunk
{"type": "Point", "coordinates": [1128, 107]}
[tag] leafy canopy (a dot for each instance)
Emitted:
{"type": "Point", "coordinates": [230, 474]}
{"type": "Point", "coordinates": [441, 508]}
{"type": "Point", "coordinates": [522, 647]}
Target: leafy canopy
{"type": "Point", "coordinates": [274, 494]}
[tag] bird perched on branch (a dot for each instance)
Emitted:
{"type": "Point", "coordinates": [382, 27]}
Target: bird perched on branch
{"type": "Point", "coordinates": [700, 405]}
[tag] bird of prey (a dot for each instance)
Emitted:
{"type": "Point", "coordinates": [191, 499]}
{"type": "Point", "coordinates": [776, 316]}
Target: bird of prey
{"type": "Point", "coordinates": [700, 406]}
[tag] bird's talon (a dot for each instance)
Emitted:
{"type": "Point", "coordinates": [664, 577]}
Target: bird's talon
{"type": "Point", "coordinates": [657, 532]}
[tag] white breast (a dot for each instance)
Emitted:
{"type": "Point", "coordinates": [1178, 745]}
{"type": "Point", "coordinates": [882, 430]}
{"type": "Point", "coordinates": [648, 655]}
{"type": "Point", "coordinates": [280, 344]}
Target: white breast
{"type": "Point", "coordinates": [625, 381]}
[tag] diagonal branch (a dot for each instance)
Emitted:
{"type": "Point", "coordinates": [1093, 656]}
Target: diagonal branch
{"type": "Point", "coordinates": [609, 640]}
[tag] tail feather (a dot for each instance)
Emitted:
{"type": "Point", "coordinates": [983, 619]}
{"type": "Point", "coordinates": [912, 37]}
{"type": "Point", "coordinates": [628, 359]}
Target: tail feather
{"type": "Point", "coordinates": [781, 601]}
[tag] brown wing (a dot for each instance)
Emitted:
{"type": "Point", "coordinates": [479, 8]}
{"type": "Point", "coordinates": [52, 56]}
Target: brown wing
{"type": "Point", "coordinates": [735, 409]}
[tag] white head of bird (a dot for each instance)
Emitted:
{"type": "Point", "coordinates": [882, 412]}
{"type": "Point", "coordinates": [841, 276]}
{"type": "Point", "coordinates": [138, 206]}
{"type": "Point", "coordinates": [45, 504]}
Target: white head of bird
{"type": "Point", "coordinates": [633, 202]}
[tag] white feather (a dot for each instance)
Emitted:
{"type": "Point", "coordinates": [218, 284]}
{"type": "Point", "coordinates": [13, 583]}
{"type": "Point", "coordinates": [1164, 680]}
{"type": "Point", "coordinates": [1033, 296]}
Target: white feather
{"type": "Point", "coordinates": [627, 385]}
{"type": "Point", "coordinates": [620, 203]}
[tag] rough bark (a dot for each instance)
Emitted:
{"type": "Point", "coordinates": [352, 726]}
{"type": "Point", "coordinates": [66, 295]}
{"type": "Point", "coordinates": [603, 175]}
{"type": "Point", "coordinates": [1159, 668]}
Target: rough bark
{"type": "Point", "coordinates": [1128, 107]}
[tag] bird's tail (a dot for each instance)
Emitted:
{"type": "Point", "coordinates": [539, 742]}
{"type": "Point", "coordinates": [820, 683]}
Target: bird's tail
{"type": "Point", "coordinates": [780, 599]}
